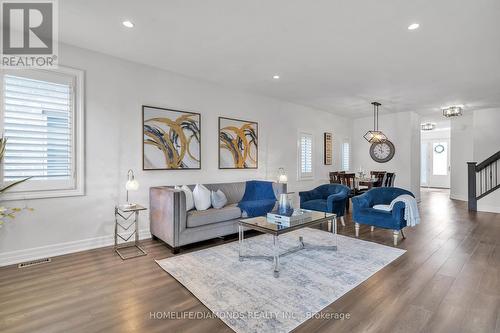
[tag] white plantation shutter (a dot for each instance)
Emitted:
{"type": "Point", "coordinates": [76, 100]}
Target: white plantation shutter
{"type": "Point", "coordinates": [39, 124]}
{"type": "Point", "coordinates": [346, 152]}
{"type": "Point", "coordinates": [305, 156]}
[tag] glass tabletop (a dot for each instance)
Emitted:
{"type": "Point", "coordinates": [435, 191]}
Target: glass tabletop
{"type": "Point", "coordinates": [131, 208]}
{"type": "Point", "coordinates": [262, 223]}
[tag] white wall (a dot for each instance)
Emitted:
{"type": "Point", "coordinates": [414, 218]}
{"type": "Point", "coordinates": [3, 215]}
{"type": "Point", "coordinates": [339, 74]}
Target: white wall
{"type": "Point", "coordinates": [487, 143]}
{"type": "Point", "coordinates": [474, 137]}
{"type": "Point", "coordinates": [115, 91]}
{"type": "Point", "coordinates": [462, 151]}
{"type": "Point", "coordinates": [403, 130]}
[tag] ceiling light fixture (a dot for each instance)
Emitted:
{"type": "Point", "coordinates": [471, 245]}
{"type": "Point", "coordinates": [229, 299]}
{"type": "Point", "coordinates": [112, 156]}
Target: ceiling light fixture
{"type": "Point", "coordinates": [453, 111]}
{"type": "Point", "coordinates": [428, 126]}
{"type": "Point", "coordinates": [276, 77]}
{"type": "Point", "coordinates": [413, 26]}
{"type": "Point", "coordinates": [375, 136]}
{"type": "Point", "coordinates": [128, 24]}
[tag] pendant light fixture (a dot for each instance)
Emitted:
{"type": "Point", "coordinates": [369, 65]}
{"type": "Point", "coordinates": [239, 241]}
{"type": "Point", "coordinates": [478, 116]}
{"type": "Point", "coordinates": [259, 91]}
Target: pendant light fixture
{"type": "Point", "coordinates": [428, 126]}
{"type": "Point", "coordinates": [453, 111]}
{"type": "Point", "coordinates": [375, 136]}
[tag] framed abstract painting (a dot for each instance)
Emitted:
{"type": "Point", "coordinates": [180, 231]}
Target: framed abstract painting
{"type": "Point", "coordinates": [171, 139]}
{"type": "Point", "coordinates": [238, 144]}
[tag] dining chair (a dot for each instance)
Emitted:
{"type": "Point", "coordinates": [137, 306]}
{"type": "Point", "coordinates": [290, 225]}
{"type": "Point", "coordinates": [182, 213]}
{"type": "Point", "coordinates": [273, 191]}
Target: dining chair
{"type": "Point", "coordinates": [388, 180]}
{"type": "Point", "coordinates": [379, 175]}
{"type": "Point", "coordinates": [334, 177]}
{"type": "Point", "coordinates": [348, 179]}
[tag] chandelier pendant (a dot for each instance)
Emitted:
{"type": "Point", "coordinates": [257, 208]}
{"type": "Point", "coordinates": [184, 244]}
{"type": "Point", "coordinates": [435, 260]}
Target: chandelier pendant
{"type": "Point", "coordinates": [375, 136]}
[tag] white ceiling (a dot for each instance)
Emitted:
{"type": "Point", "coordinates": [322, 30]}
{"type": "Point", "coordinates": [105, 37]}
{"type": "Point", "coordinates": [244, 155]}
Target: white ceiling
{"type": "Point", "coordinates": [335, 55]}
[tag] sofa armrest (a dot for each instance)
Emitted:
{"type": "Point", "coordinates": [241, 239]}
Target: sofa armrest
{"type": "Point", "coordinates": [398, 213]}
{"type": "Point", "coordinates": [307, 196]}
{"type": "Point", "coordinates": [167, 214]}
{"type": "Point", "coordinates": [335, 203]}
{"type": "Point", "coordinates": [335, 197]}
{"type": "Point", "coordinates": [361, 201]}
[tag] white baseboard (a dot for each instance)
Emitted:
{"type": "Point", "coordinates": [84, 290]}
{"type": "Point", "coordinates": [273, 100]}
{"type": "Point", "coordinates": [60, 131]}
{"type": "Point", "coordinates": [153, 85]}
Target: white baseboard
{"type": "Point", "coordinates": [15, 257]}
{"type": "Point", "coordinates": [487, 208]}
{"type": "Point", "coordinates": [458, 197]}
{"type": "Point", "coordinates": [480, 206]}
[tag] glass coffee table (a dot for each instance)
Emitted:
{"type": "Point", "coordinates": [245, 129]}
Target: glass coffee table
{"type": "Point", "coordinates": [265, 225]}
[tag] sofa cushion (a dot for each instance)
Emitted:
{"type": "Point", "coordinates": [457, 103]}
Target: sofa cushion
{"type": "Point", "coordinates": [201, 196]}
{"type": "Point", "coordinates": [377, 218]}
{"type": "Point", "coordinates": [196, 218]}
{"type": "Point", "coordinates": [317, 204]}
{"type": "Point", "coordinates": [189, 196]}
{"type": "Point", "coordinates": [219, 199]}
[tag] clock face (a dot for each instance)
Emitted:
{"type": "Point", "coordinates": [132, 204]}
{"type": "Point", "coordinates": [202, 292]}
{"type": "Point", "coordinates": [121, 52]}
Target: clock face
{"type": "Point", "coordinates": [382, 152]}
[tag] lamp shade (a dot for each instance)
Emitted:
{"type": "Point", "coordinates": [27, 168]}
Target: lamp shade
{"type": "Point", "coordinates": [375, 137]}
{"type": "Point", "coordinates": [132, 185]}
{"type": "Point", "coordinates": [282, 177]}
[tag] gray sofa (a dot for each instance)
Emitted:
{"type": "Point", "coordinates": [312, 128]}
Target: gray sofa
{"type": "Point", "coordinates": [170, 222]}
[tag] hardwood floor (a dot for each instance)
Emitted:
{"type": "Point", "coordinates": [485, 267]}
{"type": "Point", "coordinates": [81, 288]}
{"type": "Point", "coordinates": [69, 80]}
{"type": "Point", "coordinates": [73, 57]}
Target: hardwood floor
{"type": "Point", "coordinates": [448, 281]}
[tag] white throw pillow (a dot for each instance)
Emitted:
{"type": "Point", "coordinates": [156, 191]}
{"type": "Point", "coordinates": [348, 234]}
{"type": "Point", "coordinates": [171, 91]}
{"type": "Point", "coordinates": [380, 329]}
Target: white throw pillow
{"type": "Point", "coordinates": [189, 196]}
{"type": "Point", "coordinates": [386, 208]}
{"type": "Point", "coordinates": [219, 199]}
{"type": "Point", "coordinates": [201, 196]}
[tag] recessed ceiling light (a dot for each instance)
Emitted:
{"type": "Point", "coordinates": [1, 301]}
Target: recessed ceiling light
{"type": "Point", "coordinates": [276, 77]}
{"type": "Point", "coordinates": [413, 26]}
{"type": "Point", "coordinates": [128, 24]}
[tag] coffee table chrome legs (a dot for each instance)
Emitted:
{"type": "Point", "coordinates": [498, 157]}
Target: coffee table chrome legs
{"type": "Point", "coordinates": [332, 227]}
{"type": "Point", "coordinates": [276, 256]}
{"type": "Point", "coordinates": [241, 237]}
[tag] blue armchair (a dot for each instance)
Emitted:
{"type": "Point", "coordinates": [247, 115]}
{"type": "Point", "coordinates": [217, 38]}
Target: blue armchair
{"type": "Point", "coordinates": [328, 198]}
{"type": "Point", "coordinates": [364, 213]}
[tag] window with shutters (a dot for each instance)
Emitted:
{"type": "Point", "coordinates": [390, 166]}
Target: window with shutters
{"type": "Point", "coordinates": [346, 155]}
{"type": "Point", "coordinates": [305, 148]}
{"type": "Point", "coordinates": [42, 119]}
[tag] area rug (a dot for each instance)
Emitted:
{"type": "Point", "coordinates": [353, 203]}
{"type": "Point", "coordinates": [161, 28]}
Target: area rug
{"type": "Point", "coordinates": [248, 298]}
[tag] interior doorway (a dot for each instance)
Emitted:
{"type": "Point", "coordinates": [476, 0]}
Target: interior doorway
{"type": "Point", "coordinates": [435, 158]}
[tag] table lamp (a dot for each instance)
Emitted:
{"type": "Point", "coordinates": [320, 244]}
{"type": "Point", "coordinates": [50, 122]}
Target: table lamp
{"type": "Point", "coordinates": [131, 185]}
{"type": "Point", "coordinates": [282, 178]}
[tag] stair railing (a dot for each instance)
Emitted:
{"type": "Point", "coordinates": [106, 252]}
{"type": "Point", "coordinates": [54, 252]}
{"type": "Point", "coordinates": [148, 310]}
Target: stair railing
{"type": "Point", "coordinates": [483, 179]}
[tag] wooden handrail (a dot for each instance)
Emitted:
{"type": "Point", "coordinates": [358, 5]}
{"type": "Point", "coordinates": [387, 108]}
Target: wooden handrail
{"type": "Point", "coordinates": [487, 182]}
{"type": "Point", "coordinates": [488, 161]}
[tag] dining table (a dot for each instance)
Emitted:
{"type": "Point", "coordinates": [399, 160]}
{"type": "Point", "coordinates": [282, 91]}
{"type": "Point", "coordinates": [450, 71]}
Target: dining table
{"type": "Point", "coordinates": [364, 182]}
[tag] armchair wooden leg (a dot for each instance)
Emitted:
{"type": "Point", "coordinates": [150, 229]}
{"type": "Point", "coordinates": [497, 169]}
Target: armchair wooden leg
{"type": "Point", "coordinates": [395, 234]}
{"type": "Point", "coordinates": [356, 228]}
{"type": "Point", "coordinates": [372, 228]}
{"type": "Point", "coordinates": [342, 221]}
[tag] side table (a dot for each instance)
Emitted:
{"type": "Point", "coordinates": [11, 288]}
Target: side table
{"type": "Point", "coordinates": [125, 213]}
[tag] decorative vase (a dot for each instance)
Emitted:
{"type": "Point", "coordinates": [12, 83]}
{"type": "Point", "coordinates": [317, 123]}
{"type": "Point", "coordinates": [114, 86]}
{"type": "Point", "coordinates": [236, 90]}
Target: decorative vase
{"type": "Point", "coordinates": [285, 205]}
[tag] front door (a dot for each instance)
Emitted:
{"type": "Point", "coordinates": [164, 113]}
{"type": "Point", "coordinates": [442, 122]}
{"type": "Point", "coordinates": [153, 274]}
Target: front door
{"type": "Point", "coordinates": [436, 163]}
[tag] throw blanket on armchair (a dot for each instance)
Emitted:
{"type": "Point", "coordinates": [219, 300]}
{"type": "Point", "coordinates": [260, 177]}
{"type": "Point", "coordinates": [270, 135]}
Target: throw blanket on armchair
{"type": "Point", "coordinates": [412, 216]}
{"type": "Point", "coordinates": [259, 198]}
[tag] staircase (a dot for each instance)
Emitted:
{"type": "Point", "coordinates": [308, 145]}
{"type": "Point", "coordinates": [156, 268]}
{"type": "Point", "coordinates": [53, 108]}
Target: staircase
{"type": "Point", "coordinates": [483, 179]}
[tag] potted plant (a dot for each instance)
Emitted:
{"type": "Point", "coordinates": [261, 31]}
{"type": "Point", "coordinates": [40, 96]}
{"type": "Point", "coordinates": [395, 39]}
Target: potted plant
{"type": "Point", "coordinates": [8, 212]}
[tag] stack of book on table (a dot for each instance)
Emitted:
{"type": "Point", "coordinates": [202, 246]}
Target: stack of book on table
{"type": "Point", "coordinates": [298, 215]}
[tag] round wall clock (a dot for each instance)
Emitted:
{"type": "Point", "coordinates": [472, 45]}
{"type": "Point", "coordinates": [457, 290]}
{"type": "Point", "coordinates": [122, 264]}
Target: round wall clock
{"type": "Point", "coordinates": [382, 152]}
